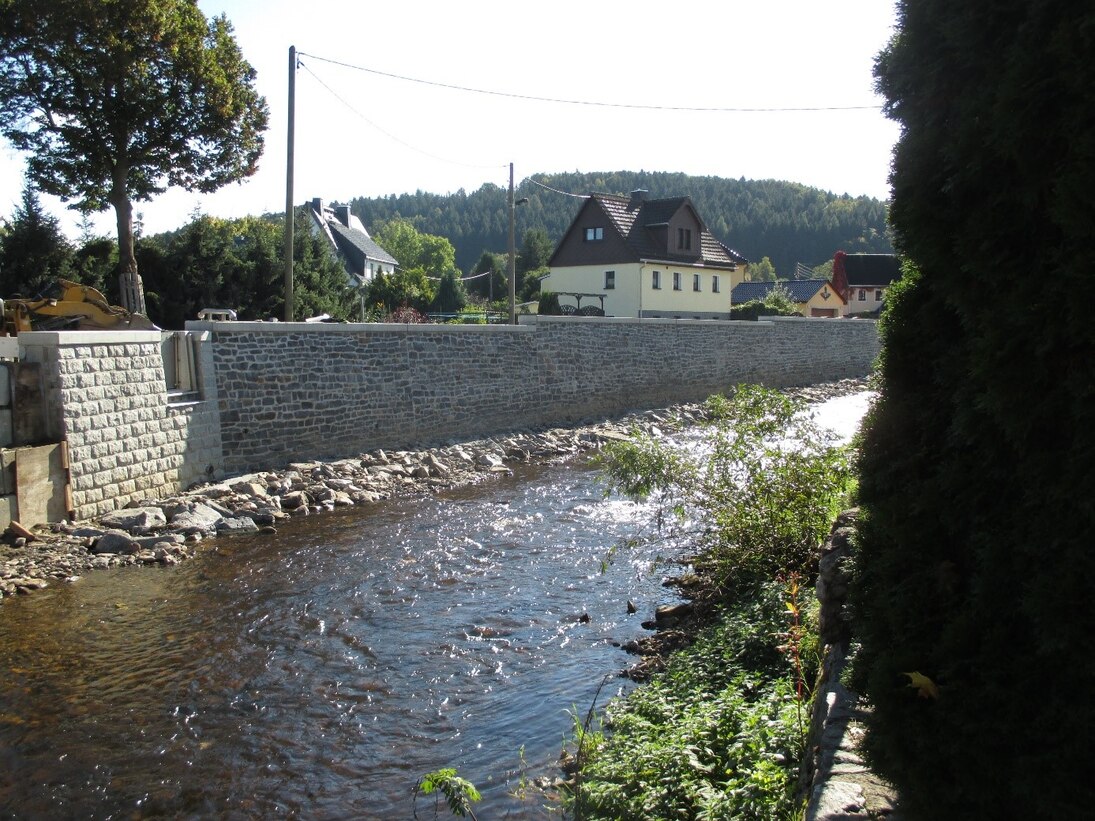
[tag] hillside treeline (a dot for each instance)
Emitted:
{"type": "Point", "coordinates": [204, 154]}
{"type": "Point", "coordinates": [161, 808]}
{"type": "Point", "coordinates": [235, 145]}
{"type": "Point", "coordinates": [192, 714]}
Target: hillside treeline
{"type": "Point", "coordinates": [787, 222]}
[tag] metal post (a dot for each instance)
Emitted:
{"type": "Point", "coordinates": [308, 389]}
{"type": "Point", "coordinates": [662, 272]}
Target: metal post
{"type": "Point", "coordinates": [512, 256]}
{"type": "Point", "coordinates": [288, 250]}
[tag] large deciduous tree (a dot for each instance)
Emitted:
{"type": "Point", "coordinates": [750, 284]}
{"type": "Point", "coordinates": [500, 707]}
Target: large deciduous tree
{"type": "Point", "coordinates": [975, 561]}
{"type": "Point", "coordinates": [117, 100]}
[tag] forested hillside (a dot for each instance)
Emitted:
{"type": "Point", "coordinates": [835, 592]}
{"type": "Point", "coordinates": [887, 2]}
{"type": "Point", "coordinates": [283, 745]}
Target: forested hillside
{"type": "Point", "coordinates": [784, 221]}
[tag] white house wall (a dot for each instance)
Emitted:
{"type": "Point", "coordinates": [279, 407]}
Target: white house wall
{"type": "Point", "coordinates": [634, 294]}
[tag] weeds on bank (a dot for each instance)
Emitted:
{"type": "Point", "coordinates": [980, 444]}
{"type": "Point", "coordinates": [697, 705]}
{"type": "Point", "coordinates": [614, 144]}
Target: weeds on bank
{"type": "Point", "coordinates": [720, 733]}
{"type": "Point", "coordinates": [459, 793]}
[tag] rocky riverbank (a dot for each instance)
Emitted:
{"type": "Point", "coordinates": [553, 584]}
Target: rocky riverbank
{"type": "Point", "coordinates": [167, 531]}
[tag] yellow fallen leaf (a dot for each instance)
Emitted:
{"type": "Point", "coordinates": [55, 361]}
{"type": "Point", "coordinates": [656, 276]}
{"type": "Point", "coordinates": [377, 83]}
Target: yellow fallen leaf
{"type": "Point", "coordinates": [924, 686]}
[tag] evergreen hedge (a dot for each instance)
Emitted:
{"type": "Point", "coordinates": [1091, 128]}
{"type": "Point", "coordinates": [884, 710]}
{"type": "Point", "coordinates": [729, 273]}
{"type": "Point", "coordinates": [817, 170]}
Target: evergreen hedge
{"type": "Point", "coordinates": [975, 553]}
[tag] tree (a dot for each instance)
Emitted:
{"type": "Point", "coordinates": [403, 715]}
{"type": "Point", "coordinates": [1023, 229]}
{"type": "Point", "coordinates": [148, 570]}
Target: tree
{"type": "Point", "coordinates": [33, 251]}
{"type": "Point", "coordinates": [763, 271]}
{"type": "Point", "coordinates": [412, 249]}
{"type": "Point", "coordinates": [824, 270]}
{"type": "Point", "coordinates": [95, 262]}
{"type": "Point", "coordinates": [399, 289]}
{"type": "Point", "coordinates": [451, 297]}
{"type": "Point", "coordinates": [536, 250]}
{"type": "Point", "coordinates": [117, 101]}
{"type": "Point", "coordinates": [238, 264]}
{"type": "Point", "coordinates": [779, 300]}
{"type": "Point", "coordinates": [974, 560]}
{"type": "Point", "coordinates": [493, 286]}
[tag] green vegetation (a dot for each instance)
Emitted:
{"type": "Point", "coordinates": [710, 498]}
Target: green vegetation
{"type": "Point", "coordinates": [720, 733]}
{"type": "Point", "coordinates": [459, 793]}
{"type": "Point", "coordinates": [116, 102]}
{"type": "Point", "coordinates": [777, 302]}
{"type": "Point", "coordinates": [764, 496]}
{"type": "Point", "coordinates": [762, 271]}
{"type": "Point", "coordinates": [975, 559]}
{"type": "Point", "coordinates": [784, 220]}
{"type": "Point", "coordinates": [33, 250]}
{"type": "Point", "coordinates": [237, 264]}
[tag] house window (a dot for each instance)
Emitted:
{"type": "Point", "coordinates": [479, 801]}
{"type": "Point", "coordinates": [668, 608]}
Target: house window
{"type": "Point", "coordinates": [594, 234]}
{"type": "Point", "coordinates": [878, 295]}
{"type": "Point", "coordinates": [610, 280]}
{"type": "Point", "coordinates": [656, 280]}
{"type": "Point", "coordinates": [862, 294]}
{"type": "Point", "coordinates": [676, 280]}
{"type": "Point", "coordinates": [695, 282]}
{"type": "Point", "coordinates": [714, 283]}
{"type": "Point", "coordinates": [684, 239]}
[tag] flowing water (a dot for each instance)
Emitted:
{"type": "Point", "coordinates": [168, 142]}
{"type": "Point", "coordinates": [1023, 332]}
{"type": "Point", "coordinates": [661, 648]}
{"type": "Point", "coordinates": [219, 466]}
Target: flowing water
{"type": "Point", "coordinates": [319, 673]}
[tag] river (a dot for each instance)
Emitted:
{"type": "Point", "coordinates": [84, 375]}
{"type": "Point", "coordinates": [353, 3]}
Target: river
{"type": "Point", "coordinates": [321, 672]}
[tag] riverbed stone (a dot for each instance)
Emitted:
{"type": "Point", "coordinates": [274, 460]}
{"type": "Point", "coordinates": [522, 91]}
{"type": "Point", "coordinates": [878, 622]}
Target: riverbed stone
{"type": "Point", "coordinates": [135, 520]}
{"type": "Point", "coordinates": [200, 518]}
{"type": "Point", "coordinates": [236, 525]}
{"type": "Point", "coordinates": [115, 541]}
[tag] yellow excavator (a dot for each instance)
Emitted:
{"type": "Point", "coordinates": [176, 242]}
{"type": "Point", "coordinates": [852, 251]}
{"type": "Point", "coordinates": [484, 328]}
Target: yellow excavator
{"type": "Point", "coordinates": [65, 305]}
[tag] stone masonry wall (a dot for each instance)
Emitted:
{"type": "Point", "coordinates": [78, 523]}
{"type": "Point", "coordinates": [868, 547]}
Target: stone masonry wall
{"type": "Point", "coordinates": [296, 391]}
{"type": "Point", "coordinates": [107, 397]}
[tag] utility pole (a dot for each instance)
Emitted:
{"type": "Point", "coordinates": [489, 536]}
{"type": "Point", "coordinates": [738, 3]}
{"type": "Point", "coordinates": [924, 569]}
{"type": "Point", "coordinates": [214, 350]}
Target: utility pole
{"type": "Point", "coordinates": [512, 256]}
{"type": "Point", "coordinates": [288, 250]}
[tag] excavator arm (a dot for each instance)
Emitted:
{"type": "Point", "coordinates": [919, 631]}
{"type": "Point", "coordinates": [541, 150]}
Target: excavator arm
{"type": "Point", "coordinates": [71, 306]}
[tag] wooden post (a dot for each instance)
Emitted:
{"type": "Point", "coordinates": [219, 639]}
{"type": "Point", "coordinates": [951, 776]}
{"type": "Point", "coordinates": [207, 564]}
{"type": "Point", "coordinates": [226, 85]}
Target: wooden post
{"type": "Point", "coordinates": [288, 250]}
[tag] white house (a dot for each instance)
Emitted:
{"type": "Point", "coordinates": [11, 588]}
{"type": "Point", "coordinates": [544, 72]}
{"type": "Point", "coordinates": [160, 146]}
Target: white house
{"type": "Point", "coordinates": [358, 252]}
{"type": "Point", "coordinates": [643, 258]}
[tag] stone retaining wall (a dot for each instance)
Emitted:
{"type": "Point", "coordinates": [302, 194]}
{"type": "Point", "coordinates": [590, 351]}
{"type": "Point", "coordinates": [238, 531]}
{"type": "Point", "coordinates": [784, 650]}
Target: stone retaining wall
{"type": "Point", "coordinates": [106, 396]}
{"type": "Point", "coordinates": [298, 391]}
{"type": "Point", "coordinates": [267, 394]}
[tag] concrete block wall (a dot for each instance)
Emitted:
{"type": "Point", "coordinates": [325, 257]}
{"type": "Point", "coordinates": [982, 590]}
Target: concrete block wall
{"type": "Point", "coordinates": [107, 395]}
{"type": "Point", "coordinates": [296, 391]}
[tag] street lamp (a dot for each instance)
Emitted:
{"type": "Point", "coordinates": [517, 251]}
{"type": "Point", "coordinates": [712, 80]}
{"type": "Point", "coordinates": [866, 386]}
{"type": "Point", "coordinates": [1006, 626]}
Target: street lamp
{"type": "Point", "coordinates": [512, 252]}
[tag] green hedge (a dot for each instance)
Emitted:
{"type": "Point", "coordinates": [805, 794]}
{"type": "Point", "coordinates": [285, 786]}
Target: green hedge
{"type": "Point", "coordinates": [975, 557]}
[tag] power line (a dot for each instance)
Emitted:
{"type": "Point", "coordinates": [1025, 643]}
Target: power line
{"type": "Point", "coordinates": [383, 131]}
{"type": "Point", "coordinates": [594, 103]}
{"type": "Point", "coordinates": [556, 190]}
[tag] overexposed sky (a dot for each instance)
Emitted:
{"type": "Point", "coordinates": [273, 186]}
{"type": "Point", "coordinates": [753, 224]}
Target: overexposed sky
{"type": "Point", "coordinates": [631, 62]}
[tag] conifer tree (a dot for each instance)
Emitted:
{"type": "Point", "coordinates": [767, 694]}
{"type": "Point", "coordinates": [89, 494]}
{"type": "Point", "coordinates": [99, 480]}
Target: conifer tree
{"type": "Point", "coordinates": [974, 562]}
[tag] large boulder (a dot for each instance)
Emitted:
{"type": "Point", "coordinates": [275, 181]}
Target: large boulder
{"type": "Point", "coordinates": [198, 518]}
{"type": "Point", "coordinates": [135, 520]}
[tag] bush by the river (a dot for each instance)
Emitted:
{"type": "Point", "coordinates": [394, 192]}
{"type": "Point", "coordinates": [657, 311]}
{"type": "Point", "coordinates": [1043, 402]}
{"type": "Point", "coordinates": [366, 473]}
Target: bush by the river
{"type": "Point", "coordinates": [721, 731]}
{"type": "Point", "coordinates": [975, 560]}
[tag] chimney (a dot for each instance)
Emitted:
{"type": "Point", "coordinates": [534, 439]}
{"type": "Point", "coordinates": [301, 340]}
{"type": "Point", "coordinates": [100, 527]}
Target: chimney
{"type": "Point", "coordinates": [343, 214]}
{"type": "Point", "coordinates": [638, 196]}
{"type": "Point", "coordinates": [317, 206]}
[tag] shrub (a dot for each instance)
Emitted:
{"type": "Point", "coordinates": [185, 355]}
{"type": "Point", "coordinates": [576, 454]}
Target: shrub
{"type": "Point", "coordinates": [549, 304]}
{"type": "Point", "coordinates": [975, 554]}
{"type": "Point", "coordinates": [764, 497]}
{"type": "Point", "coordinates": [718, 734]}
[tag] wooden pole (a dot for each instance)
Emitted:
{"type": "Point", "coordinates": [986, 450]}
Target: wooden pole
{"type": "Point", "coordinates": [512, 256]}
{"type": "Point", "coordinates": [288, 250]}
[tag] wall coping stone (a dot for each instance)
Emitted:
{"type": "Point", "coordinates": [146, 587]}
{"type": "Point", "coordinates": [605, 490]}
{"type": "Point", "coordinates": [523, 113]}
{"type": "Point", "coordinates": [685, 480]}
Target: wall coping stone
{"type": "Point", "coordinates": [350, 328]}
{"type": "Point", "coordinates": [61, 339]}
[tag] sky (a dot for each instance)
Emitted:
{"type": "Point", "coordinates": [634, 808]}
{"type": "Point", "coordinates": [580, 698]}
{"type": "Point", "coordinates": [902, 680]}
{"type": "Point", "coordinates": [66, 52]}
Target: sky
{"type": "Point", "coordinates": [391, 97]}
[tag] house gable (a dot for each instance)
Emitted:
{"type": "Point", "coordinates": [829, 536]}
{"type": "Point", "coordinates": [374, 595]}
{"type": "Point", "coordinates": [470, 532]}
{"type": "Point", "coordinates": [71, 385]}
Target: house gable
{"type": "Point", "coordinates": [668, 230]}
{"type": "Point", "coordinates": [358, 252]}
{"type": "Point", "coordinates": [593, 238]}
{"type": "Point", "coordinates": [875, 271]}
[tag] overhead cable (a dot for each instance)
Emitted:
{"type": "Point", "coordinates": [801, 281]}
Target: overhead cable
{"type": "Point", "coordinates": [593, 103]}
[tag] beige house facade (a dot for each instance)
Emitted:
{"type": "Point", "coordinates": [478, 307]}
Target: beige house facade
{"type": "Point", "coordinates": [863, 279]}
{"type": "Point", "coordinates": [812, 297]}
{"type": "Point", "coordinates": [636, 257]}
